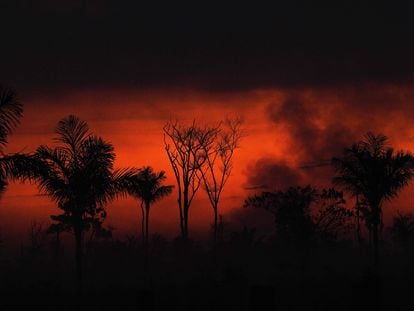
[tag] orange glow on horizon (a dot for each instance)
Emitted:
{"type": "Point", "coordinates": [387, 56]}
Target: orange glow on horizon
{"type": "Point", "coordinates": [133, 122]}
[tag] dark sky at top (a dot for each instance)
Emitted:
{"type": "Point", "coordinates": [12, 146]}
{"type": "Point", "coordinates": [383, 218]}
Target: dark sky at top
{"type": "Point", "coordinates": [79, 44]}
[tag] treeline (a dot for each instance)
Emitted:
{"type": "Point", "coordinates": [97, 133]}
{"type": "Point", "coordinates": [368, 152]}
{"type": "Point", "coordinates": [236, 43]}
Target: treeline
{"type": "Point", "coordinates": [78, 174]}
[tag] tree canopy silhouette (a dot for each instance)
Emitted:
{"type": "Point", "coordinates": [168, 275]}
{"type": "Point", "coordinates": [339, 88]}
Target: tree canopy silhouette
{"type": "Point", "coordinates": [78, 174]}
{"type": "Point", "coordinates": [219, 163]}
{"type": "Point", "coordinates": [304, 214]}
{"type": "Point", "coordinates": [148, 187]}
{"type": "Point", "coordinates": [376, 173]}
{"type": "Point", "coordinates": [11, 110]}
{"type": "Point", "coordinates": [186, 149]}
{"type": "Point", "coordinates": [402, 229]}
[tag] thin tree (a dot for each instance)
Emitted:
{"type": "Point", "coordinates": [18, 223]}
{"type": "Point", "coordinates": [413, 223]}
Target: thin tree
{"type": "Point", "coordinates": [358, 220]}
{"type": "Point", "coordinates": [148, 187]}
{"type": "Point", "coordinates": [185, 147]}
{"type": "Point", "coordinates": [78, 174]}
{"type": "Point", "coordinates": [219, 164]}
{"type": "Point", "coordinates": [376, 173]}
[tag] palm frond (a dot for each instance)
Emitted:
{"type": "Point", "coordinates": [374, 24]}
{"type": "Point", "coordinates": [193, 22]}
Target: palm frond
{"type": "Point", "coordinates": [147, 185]}
{"type": "Point", "coordinates": [373, 169]}
{"type": "Point", "coordinates": [72, 132]}
{"type": "Point", "coordinates": [11, 110]}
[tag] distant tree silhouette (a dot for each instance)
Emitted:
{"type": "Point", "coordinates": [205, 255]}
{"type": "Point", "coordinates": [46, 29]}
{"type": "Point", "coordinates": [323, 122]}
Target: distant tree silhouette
{"type": "Point", "coordinates": [304, 214]}
{"type": "Point", "coordinates": [376, 173]}
{"type": "Point", "coordinates": [402, 229]}
{"type": "Point", "coordinates": [291, 211]}
{"type": "Point", "coordinates": [147, 187]}
{"type": "Point", "coordinates": [185, 147]}
{"type": "Point", "coordinates": [332, 219]}
{"type": "Point", "coordinates": [78, 175]}
{"type": "Point", "coordinates": [219, 163]}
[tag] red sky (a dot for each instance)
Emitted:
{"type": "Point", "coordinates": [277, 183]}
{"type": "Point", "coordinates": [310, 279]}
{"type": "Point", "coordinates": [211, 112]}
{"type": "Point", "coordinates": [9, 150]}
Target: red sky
{"type": "Point", "coordinates": [286, 128]}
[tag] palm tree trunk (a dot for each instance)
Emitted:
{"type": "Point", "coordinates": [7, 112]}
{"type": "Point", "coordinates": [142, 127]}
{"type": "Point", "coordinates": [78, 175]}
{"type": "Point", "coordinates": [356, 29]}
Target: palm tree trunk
{"type": "Point", "coordinates": [57, 259]}
{"type": "Point", "coordinates": [78, 259]}
{"type": "Point", "coordinates": [142, 223]}
{"type": "Point", "coordinates": [370, 235]}
{"type": "Point", "coordinates": [57, 247]}
{"type": "Point", "coordinates": [375, 242]}
{"type": "Point", "coordinates": [147, 211]}
{"type": "Point", "coordinates": [358, 222]}
{"type": "Point", "coordinates": [375, 236]}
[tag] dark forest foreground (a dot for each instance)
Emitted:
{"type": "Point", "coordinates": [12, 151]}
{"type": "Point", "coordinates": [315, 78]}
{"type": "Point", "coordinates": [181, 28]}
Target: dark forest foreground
{"type": "Point", "coordinates": [244, 273]}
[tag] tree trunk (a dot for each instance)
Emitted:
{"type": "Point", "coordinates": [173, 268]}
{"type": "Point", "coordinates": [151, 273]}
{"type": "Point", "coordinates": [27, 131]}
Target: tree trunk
{"type": "Point", "coordinates": [147, 211]}
{"type": "Point", "coordinates": [181, 220]}
{"type": "Point", "coordinates": [215, 225]}
{"type": "Point", "coordinates": [78, 259]}
{"type": "Point", "coordinates": [57, 247]}
{"type": "Point", "coordinates": [142, 223]}
{"type": "Point", "coordinates": [57, 260]}
{"type": "Point", "coordinates": [370, 235]}
{"type": "Point", "coordinates": [375, 242]}
{"type": "Point", "coordinates": [185, 213]}
{"type": "Point", "coordinates": [180, 206]}
{"type": "Point", "coordinates": [375, 236]}
{"type": "Point", "coordinates": [358, 222]}
{"type": "Point", "coordinates": [185, 233]}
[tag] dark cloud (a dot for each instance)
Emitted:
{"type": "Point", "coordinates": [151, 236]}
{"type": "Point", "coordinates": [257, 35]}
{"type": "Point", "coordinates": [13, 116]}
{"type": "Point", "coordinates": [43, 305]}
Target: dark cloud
{"type": "Point", "coordinates": [319, 123]}
{"type": "Point", "coordinates": [312, 141]}
{"type": "Point", "coordinates": [83, 44]}
{"type": "Point", "coordinates": [269, 174]}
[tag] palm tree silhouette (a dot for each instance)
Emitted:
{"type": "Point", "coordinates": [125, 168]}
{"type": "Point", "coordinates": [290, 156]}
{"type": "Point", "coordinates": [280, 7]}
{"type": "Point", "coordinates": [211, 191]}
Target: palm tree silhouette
{"type": "Point", "coordinates": [376, 173]}
{"type": "Point", "coordinates": [147, 187]}
{"type": "Point", "coordinates": [78, 175]}
{"type": "Point", "coordinates": [11, 110]}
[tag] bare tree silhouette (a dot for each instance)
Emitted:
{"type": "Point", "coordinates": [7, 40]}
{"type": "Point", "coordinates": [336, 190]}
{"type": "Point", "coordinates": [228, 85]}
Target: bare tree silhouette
{"type": "Point", "coordinates": [219, 163]}
{"type": "Point", "coordinates": [79, 176]}
{"type": "Point", "coordinates": [185, 147]}
{"type": "Point", "coordinates": [147, 187]}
